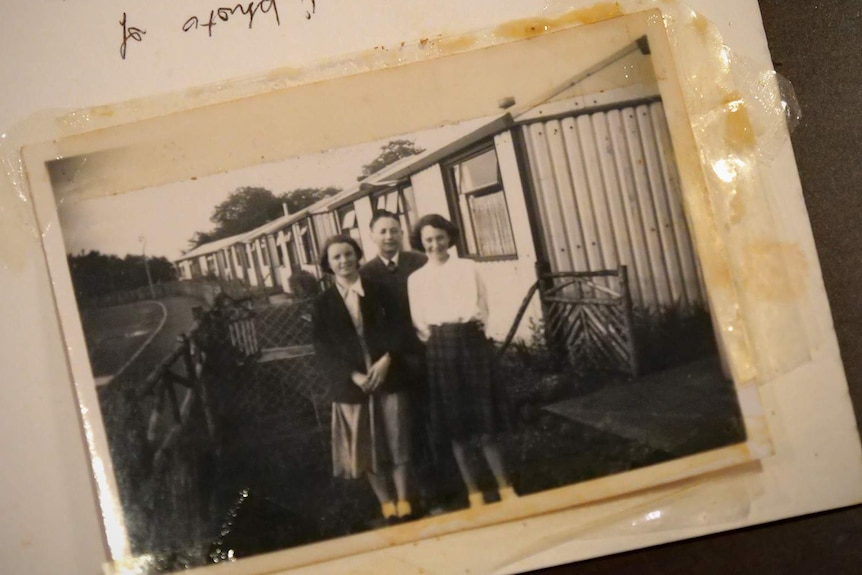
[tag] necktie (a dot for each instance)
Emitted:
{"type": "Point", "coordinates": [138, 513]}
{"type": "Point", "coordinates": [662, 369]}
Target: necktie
{"type": "Point", "coordinates": [391, 266]}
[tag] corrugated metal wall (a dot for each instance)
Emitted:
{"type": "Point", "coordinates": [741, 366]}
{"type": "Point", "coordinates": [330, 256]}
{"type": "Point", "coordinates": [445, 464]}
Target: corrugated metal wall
{"type": "Point", "coordinates": [608, 194]}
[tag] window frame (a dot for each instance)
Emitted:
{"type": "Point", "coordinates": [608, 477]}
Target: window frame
{"type": "Point", "coordinates": [263, 252]}
{"type": "Point", "coordinates": [340, 213]}
{"type": "Point", "coordinates": [453, 196]}
{"type": "Point", "coordinates": [306, 242]}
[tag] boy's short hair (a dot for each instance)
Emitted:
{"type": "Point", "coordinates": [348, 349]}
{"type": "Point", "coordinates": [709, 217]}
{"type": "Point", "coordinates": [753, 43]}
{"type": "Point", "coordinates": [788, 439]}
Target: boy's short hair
{"type": "Point", "coordinates": [380, 214]}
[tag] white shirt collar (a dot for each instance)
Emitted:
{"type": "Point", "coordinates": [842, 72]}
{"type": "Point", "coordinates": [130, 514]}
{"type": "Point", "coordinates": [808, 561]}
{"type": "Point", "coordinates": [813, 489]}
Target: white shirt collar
{"type": "Point", "coordinates": [394, 259]}
{"type": "Point", "coordinates": [356, 287]}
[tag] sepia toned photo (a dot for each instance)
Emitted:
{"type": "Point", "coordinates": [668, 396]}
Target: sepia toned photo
{"type": "Point", "coordinates": [443, 328]}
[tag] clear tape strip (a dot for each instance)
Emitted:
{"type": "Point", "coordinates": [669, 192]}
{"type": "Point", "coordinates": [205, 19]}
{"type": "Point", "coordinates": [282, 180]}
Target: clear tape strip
{"type": "Point", "coordinates": [697, 504]}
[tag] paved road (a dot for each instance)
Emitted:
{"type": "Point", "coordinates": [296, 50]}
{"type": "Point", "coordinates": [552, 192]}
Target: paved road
{"type": "Point", "coordinates": [149, 329]}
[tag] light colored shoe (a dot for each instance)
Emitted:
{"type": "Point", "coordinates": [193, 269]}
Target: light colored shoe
{"type": "Point", "coordinates": [508, 494]}
{"type": "Point", "coordinates": [476, 499]}
{"type": "Point", "coordinates": [388, 509]}
{"type": "Point", "coordinates": [403, 509]}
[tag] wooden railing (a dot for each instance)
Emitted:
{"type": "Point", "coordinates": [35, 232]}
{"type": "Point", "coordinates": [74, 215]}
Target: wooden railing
{"type": "Point", "coordinates": [177, 382]}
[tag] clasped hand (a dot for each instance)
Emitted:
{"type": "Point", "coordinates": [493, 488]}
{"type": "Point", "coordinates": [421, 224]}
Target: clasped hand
{"type": "Point", "coordinates": [369, 382]}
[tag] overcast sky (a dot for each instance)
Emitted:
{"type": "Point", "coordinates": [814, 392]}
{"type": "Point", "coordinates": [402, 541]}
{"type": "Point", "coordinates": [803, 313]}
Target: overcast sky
{"type": "Point", "coordinates": [167, 216]}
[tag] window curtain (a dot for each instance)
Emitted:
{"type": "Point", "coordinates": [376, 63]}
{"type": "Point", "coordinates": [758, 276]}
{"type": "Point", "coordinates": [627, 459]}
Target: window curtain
{"type": "Point", "coordinates": [491, 225]}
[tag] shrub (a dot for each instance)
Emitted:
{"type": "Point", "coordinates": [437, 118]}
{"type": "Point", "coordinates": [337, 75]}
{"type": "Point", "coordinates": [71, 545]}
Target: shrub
{"type": "Point", "coordinates": [672, 336]}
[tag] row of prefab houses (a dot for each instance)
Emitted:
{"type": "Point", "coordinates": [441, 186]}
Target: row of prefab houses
{"type": "Point", "coordinates": [580, 183]}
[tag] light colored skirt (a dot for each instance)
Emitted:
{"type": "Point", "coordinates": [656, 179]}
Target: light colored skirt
{"type": "Point", "coordinates": [371, 436]}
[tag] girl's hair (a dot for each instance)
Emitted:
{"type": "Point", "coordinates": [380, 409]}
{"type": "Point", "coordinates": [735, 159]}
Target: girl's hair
{"type": "Point", "coordinates": [331, 241]}
{"type": "Point", "coordinates": [435, 221]}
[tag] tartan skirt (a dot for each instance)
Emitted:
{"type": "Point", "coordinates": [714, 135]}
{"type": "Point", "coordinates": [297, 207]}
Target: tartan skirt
{"type": "Point", "coordinates": [464, 399]}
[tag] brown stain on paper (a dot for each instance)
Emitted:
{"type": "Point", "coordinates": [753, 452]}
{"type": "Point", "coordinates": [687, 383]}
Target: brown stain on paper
{"type": "Point", "coordinates": [738, 131]}
{"type": "Point", "coordinates": [450, 45]}
{"type": "Point", "coordinates": [775, 271]}
{"type": "Point", "coordinates": [529, 27]}
{"type": "Point", "coordinates": [737, 208]}
{"type": "Point", "coordinates": [700, 24]}
{"type": "Point", "coordinates": [106, 111]}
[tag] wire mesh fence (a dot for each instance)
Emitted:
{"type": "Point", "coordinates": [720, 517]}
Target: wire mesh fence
{"type": "Point", "coordinates": [274, 391]}
{"type": "Point", "coordinates": [284, 324]}
{"type": "Point", "coordinates": [237, 405]}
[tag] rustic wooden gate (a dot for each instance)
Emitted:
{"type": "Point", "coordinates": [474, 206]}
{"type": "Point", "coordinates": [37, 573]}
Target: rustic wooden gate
{"type": "Point", "coordinates": [589, 316]}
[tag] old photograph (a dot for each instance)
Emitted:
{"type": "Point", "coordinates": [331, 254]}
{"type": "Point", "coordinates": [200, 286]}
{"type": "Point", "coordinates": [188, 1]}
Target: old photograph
{"type": "Point", "coordinates": [421, 333]}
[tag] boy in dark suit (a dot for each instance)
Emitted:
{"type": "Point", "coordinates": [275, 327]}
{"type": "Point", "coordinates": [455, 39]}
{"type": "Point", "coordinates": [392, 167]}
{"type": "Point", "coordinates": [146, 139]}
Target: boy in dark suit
{"type": "Point", "coordinates": [391, 268]}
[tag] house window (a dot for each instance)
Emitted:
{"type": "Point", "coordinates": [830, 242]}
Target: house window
{"type": "Point", "coordinates": [399, 201]}
{"type": "Point", "coordinates": [306, 248]}
{"type": "Point", "coordinates": [282, 246]}
{"type": "Point", "coordinates": [293, 252]}
{"type": "Point", "coordinates": [211, 265]}
{"type": "Point", "coordinates": [476, 191]}
{"type": "Point", "coordinates": [224, 261]}
{"type": "Point", "coordinates": [241, 258]}
{"type": "Point", "coordinates": [349, 223]}
{"type": "Point", "coordinates": [408, 204]}
{"type": "Point", "coordinates": [324, 226]}
{"type": "Point", "coordinates": [264, 252]}
{"type": "Point", "coordinates": [279, 255]}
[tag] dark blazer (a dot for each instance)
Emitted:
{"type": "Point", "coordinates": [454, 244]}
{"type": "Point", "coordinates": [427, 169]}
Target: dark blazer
{"type": "Point", "coordinates": [395, 283]}
{"type": "Point", "coordinates": [337, 345]}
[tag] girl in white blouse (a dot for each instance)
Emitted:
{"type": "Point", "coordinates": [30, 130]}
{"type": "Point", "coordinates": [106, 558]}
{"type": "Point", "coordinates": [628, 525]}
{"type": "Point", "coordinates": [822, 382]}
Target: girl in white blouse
{"type": "Point", "coordinates": [449, 307]}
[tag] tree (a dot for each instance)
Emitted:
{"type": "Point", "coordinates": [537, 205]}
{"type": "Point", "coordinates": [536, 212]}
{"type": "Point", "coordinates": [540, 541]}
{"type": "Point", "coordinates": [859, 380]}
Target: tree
{"type": "Point", "coordinates": [199, 239]}
{"type": "Point", "coordinates": [301, 198]}
{"type": "Point", "coordinates": [250, 207]}
{"type": "Point", "coordinates": [245, 209]}
{"type": "Point", "coordinates": [390, 153]}
{"type": "Point", "coordinates": [94, 273]}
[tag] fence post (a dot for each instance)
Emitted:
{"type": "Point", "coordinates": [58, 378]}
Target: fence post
{"type": "Point", "coordinates": [543, 268]}
{"type": "Point", "coordinates": [195, 360]}
{"type": "Point", "coordinates": [172, 396]}
{"type": "Point", "coordinates": [629, 319]}
{"type": "Point", "coordinates": [518, 317]}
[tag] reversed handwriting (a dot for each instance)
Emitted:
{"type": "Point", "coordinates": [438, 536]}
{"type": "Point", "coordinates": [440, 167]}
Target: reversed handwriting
{"type": "Point", "coordinates": [129, 33]}
{"type": "Point", "coordinates": [225, 13]}
{"type": "Point", "coordinates": [313, 9]}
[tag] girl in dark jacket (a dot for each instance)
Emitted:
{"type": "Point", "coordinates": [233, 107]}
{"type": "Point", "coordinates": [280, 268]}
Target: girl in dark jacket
{"type": "Point", "coordinates": [356, 342]}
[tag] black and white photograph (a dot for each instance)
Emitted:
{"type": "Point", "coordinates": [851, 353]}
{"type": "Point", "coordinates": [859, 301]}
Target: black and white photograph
{"type": "Point", "coordinates": [439, 329]}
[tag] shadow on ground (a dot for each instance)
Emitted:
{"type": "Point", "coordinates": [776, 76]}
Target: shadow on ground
{"type": "Point", "coordinates": [271, 488]}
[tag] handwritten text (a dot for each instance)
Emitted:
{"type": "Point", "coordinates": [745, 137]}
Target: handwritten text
{"type": "Point", "coordinates": [225, 13]}
{"type": "Point", "coordinates": [129, 33]}
{"type": "Point", "coordinates": [313, 9]}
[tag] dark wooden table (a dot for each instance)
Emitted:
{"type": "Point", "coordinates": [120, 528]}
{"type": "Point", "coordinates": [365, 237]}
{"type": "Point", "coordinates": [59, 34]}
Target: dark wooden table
{"type": "Point", "coordinates": [816, 45]}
